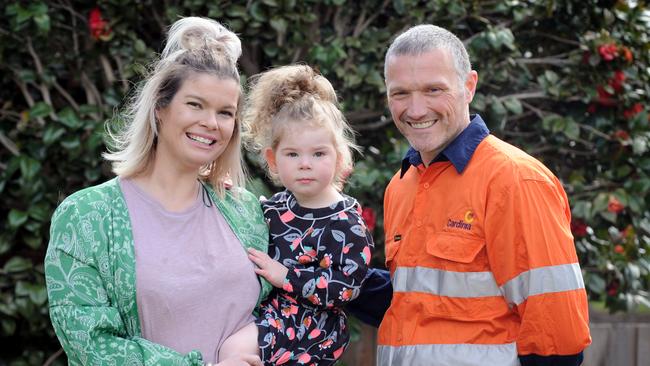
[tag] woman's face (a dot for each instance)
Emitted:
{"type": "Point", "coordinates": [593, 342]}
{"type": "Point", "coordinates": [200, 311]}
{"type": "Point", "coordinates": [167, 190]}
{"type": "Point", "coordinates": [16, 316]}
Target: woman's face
{"type": "Point", "coordinates": [196, 127]}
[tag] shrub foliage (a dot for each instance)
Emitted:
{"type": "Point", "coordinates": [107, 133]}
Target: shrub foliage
{"type": "Point", "coordinates": [566, 80]}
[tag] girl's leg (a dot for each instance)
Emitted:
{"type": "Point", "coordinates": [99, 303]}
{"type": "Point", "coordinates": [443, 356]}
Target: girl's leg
{"type": "Point", "coordinates": [243, 341]}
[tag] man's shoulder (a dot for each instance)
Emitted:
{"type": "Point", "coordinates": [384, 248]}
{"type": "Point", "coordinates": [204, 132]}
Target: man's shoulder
{"type": "Point", "coordinates": [508, 161]}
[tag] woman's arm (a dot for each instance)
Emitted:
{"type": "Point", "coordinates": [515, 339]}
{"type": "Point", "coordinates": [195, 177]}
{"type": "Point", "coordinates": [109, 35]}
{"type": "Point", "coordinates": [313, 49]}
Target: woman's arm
{"type": "Point", "coordinates": [82, 275]}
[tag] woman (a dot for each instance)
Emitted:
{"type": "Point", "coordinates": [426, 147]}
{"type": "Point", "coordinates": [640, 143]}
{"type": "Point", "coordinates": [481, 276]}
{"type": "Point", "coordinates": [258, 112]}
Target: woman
{"type": "Point", "coordinates": [142, 269]}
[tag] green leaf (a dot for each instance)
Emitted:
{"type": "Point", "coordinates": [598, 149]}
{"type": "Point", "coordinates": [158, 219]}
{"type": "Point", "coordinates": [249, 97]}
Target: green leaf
{"type": "Point", "coordinates": [272, 3]}
{"type": "Point", "coordinates": [17, 264]}
{"type": "Point", "coordinates": [236, 11]}
{"type": "Point", "coordinates": [69, 118]}
{"type": "Point", "coordinates": [17, 218]}
{"type": "Point", "coordinates": [29, 167]}
{"type": "Point", "coordinates": [40, 109]}
{"type": "Point", "coordinates": [52, 133]}
{"type": "Point", "coordinates": [36, 292]}
{"type": "Point", "coordinates": [572, 129]}
{"type": "Point", "coordinates": [513, 105]}
{"type": "Point", "coordinates": [595, 283]}
{"type": "Point", "coordinates": [399, 7]}
{"type": "Point", "coordinates": [42, 22]}
{"type": "Point", "coordinates": [257, 12]}
{"type": "Point", "coordinates": [8, 326]}
{"type": "Point", "coordinates": [279, 24]}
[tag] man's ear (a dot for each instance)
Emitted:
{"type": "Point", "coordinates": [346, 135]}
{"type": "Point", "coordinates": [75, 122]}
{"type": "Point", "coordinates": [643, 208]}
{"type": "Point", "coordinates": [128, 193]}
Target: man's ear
{"type": "Point", "coordinates": [470, 85]}
{"type": "Point", "coordinates": [269, 156]}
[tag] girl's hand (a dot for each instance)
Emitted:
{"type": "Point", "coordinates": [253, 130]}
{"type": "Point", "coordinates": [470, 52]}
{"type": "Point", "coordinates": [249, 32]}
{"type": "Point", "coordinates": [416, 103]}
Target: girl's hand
{"type": "Point", "coordinates": [272, 270]}
{"type": "Point", "coordinates": [241, 360]}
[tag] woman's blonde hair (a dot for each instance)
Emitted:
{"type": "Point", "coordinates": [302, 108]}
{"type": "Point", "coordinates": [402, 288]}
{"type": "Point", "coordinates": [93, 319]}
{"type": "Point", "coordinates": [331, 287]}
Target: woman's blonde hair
{"type": "Point", "coordinates": [194, 45]}
{"type": "Point", "coordinates": [295, 94]}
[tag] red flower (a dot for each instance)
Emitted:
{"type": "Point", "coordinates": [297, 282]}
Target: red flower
{"type": "Point", "coordinates": [627, 54]}
{"type": "Point", "coordinates": [608, 51]}
{"type": "Point", "coordinates": [99, 28]}
{"type": "Point", "coordinates": [619, 249]}
{"type": "Point", "coordinates": [605, 97]}
{"type": "Point", "coordinates": [612, 288]}
{"type": "Point", "coordinates": [617, 81]}
{"type": "Point", "coordinates": [622, 135]}
{"type": "Point", "coordinates": [633, 111]}
{"type": "Point", "coordinates": [614, 205]}
{"type": "Point", "coordinates": [370, 218]}
{"type": "Point", "coordinates": [578, 228]}
{"type": "Point", "coordinates": [591, 108]}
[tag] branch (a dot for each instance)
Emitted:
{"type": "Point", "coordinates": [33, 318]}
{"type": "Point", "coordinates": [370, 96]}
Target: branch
{"type": "Point", "coordinates": [10, 145]}
{"type": "Point", "coordinates": [559, 39]}
{"type": "Point", "coordinates": [596, 131]}
{"type": "Point", "coordinates": [45, 92]}
{"type": "Point", "coordinates": [525, 95]}
{"type": "Point", "coordinates": [28, 98]}
{"type": "Point", "coordinates": [544, 61]}
{"type": "Point", "coordinates": [373, 125]}
{"type": "Point", "coordinates": [53, 357]}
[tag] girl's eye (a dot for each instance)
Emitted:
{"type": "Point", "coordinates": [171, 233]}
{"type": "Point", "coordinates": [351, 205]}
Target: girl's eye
{"type": "Point", "coordinates": [227, 113]}
{"type": "Point", "coordinates": [319, 154]}
{"type": "Point", "coordinates": [292, 154]}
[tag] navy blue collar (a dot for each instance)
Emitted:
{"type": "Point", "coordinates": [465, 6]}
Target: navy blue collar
{"type": "Point", "coordinates": [458, 151]}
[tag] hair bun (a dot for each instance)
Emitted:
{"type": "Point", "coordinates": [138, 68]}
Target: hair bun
{"type": "Point", "coordinates": [296, 82]}
{"type": "Point", "coordinates": [195, 33]}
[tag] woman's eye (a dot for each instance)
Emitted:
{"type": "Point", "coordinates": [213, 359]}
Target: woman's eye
{"type": "Point", "coordinates": [227, 113]}
{"type": "Point", "coordinates": [194, 104]}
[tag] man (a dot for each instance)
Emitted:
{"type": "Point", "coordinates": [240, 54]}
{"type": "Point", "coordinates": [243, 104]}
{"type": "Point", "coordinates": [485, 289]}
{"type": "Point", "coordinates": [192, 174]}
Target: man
{"type": "Point", "coordinates": [478, 244]}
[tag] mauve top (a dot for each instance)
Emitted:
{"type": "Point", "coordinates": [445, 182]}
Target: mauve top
{"type": "Point", "coordinates": [195, 285]}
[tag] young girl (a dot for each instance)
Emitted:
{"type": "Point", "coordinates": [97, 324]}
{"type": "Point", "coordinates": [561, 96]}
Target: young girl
{"type": "Point", "coordinates": [320, 248]}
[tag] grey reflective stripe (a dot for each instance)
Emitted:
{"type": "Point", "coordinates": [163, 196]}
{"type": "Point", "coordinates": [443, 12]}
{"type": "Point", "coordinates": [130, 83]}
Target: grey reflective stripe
{"type": "Point", "coordinates": [448, 355]}
{"type": "Point", "coordinates": [543, 280]}
{"type": "Point", "coordinates": [445, 283]}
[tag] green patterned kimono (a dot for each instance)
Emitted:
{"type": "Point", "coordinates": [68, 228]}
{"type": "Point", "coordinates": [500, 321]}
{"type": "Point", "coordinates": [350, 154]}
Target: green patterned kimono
{"type": "Point", "coordinates": [90, 274]}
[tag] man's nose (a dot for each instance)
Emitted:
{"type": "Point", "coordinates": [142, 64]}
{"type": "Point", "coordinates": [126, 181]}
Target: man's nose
{"type": "Point", "coordinates": [417, 107]}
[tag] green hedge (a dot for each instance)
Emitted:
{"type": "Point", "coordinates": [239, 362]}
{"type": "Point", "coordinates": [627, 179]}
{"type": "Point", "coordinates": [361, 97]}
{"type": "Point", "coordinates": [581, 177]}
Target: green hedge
{"type": "Point", "coordinates": [568, 81]}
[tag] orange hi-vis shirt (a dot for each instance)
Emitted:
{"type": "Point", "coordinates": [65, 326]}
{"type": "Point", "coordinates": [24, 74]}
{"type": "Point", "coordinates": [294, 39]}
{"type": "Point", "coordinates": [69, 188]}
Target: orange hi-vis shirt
{"type": "Point", "coordinates": [482, 262]}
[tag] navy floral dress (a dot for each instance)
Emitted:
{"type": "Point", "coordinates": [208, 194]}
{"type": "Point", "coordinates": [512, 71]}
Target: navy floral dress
{"type": "Point", "coordinates": [327, 251]}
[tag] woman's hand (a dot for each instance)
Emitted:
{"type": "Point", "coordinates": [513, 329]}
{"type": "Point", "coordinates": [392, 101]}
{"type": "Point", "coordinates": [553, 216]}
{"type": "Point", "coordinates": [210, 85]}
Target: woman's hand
{"type": "Point", "coordinates": [241, 360]}
{"type": "Point", "coordinates": [272, 270]}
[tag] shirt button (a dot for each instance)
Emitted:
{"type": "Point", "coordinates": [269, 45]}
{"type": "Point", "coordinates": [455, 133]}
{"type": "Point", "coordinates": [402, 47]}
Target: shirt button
{"type": "Point", "coordinates": [426, 185]}
{"type": "Point", "coordinates": [418, 223]}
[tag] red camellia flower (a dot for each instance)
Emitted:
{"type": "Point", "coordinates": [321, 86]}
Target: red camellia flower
{"type": "Point", "coordinates": [370, 218]}
{"type": "Point", "coordinates": [616, 82]}
{"type": "Point", "coordinates": [608, 51]}
{"type": "Point", "coordinates": [99, 28]}
{"type": "Point", "coordinates": [633, 111]}
{"type": "Point", "coordinates": [627, 54]}
{"type": "Point", "coordinates": [605, 97]}
{"type": "Point", "coordinates": [591, 108]}
{"type": "Point", "coordinates": [578, 228]}
{"type": "Point", "coordinates": [622, 135]}
{"type": "Point", "coordinates": [614, 205]}
{"type": "Point", "coordinates": [619, 249]}
{"type": "Point", "coordinates": [612, 288]}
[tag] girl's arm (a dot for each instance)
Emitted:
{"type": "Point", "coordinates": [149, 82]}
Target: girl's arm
{"type": "Point", "coordinates": [334, 277]}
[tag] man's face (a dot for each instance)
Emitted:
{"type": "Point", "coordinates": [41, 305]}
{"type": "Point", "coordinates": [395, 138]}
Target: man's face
{"type": "Point", "coordinates": [428, 103]}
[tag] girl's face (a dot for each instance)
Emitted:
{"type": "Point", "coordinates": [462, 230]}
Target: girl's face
{"type": "Point", "coordinates": [306, 160]}
{"type": "Point", "coordinates": [196, 126]}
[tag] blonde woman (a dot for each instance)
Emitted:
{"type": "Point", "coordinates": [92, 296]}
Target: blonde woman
{"type": "Point", "coordinates": [142, 269]}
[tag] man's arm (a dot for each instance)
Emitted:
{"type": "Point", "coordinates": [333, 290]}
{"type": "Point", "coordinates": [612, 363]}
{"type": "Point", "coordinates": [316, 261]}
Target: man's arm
{"type": "Point", "coordinates": [374, 299]}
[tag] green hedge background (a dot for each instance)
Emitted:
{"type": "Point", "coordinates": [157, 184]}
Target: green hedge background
{"type": "Point", "coordinates": [566, 80]}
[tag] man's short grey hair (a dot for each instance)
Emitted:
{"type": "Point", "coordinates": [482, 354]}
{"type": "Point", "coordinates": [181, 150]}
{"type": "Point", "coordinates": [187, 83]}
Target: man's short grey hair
{"type": "Point", "coordinates": [426, 37]}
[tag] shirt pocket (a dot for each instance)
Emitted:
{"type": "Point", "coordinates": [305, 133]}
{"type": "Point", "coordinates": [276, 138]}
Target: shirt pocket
{"type": "Point", "coordinates": [392, 247]}
{"type": "Point", "coordinates": [456, 249]}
